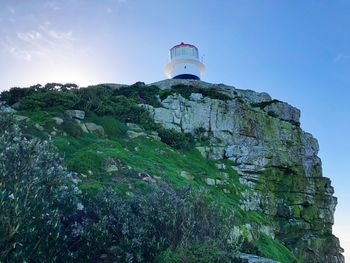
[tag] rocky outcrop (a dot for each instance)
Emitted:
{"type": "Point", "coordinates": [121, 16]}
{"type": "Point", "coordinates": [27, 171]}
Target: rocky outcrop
{"type": "Point", "coordinates": [274, 157]}
{"type": "Point", "coordinates": [5, 108]}
{"type": "Point", "coordinates": [247, 258]}
{"type": "Point", "coordinates": [77, 114]}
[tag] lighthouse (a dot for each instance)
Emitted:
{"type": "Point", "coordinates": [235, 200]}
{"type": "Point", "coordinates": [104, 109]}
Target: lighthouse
{"type": "Point", "coordinates": [184, 63]}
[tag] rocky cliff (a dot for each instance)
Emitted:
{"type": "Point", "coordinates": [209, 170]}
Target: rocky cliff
{"type": "Point", "coordinates": [252, 160]}
{"type": "Point", "coordinates": [274, 157]}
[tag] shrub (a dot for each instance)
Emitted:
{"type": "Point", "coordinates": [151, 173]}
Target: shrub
{"type": "Point", "coordinates": [140, 93]}
{"type": "Point", "coordinates": [37, 199]}
{"type": "Point", "coordinates": [138, 229]}
{"type": "Point", "coordinates": [16, 94]}
{"type": "Point", "coordinates": [207, 252]}
{"type": "Point", "coordinates": [186, 91]}
{"type": "Point", "coordinates": [122, 103]}
{"type": "Point", "coordinates": [50, 100]}
{"type": "Point", "coordinates": [96, 99]}
{"type": "Point", "coordinates": [178, 140]}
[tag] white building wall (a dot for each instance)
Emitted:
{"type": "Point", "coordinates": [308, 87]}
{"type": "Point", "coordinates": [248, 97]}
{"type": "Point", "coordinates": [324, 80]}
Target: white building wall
{"type": "Point", "coordinates": [185, 68]}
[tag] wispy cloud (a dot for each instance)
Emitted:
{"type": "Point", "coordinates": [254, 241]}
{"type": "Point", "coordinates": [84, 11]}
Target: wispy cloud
{"type": "Point", "coordinates": [341, 57]}
{"type": "Point", "coordinates": [45, 40]}
{"type": "Point", "coordinates": [53, 5]}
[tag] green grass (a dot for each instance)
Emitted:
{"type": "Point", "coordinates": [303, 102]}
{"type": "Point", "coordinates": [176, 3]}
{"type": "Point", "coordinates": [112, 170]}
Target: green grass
{"type": "Point", "coordinates": [112, 126]}
{"type": "Point", "coordinates": [274, 250]}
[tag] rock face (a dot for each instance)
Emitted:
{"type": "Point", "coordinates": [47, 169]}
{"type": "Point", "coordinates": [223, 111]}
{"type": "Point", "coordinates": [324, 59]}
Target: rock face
{"type": "Point", "coordinates": [273, 156]}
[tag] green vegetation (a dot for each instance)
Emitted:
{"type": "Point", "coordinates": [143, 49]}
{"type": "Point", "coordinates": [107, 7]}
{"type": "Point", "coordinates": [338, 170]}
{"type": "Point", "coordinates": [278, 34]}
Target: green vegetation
{"type": "Point", "coordinates": [142, 199]}
{"type": "Point", "coordinates": [274, 250]}
{"type": "Point", "coordinates": [44, 208]}
{"type": "Point", "coordinates": [37, 197]}
{"type": "Point", "coordinates": [203, 253]}
{"type": "Point", "coordinates": [186, 91]}
{"type": "Point", "coordinates": [50, 100]}
{"type": "Point", "coordinates": [140, 93]}
{"type": "Point", "coordinates": [178, 140]}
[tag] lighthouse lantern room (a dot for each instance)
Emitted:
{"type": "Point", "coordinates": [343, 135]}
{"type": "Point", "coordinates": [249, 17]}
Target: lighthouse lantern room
{"type": "Point", "coordinates": [184, 63]}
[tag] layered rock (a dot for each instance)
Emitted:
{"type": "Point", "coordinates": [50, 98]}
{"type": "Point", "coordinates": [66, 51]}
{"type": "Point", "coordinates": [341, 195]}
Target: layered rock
{"type": "Point", "coordinates": [273, 156]}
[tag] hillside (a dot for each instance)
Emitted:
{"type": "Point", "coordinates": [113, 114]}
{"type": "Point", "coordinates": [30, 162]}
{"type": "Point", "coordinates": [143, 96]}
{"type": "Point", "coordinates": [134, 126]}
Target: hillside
{"type": "Point", "coordinates": [202, 163]}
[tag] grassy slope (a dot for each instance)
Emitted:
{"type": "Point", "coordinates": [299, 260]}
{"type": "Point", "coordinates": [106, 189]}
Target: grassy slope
{"type": "Point", "coordinates": [145, 157]}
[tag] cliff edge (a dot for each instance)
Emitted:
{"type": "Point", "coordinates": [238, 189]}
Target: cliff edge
{"type": "Point", "coordinates": [273, 156]}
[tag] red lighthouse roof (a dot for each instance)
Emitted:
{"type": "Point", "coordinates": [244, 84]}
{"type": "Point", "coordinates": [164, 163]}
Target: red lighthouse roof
{"type": "Point", "coordinates": [184, 44]}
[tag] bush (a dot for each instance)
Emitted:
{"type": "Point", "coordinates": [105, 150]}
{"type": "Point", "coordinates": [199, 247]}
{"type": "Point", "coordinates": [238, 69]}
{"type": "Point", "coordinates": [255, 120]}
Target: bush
{"type": "Point", "coordinates": [207, 252]}
{"type": "Point", "coordinates": [16, 94]}
{"type": "Point", "coordinates": [50, 100]}
{"type": "Point", "coordinates": [140, 93]}
{"type": "Point", "coordinates": [186, 91]}
{"type": "Point", "coordinates": [178, 140]}
{"type": "Point", "coordinates": [37, 199]}
{"type": "Point", "coordinates": [96, 99]}
{"type": "Point", "coordinates": [140, 228]}
{"type": "Point", "coordinates": [122, 103]}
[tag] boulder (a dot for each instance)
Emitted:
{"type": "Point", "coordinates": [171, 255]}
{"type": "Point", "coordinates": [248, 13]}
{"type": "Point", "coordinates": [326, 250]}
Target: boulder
{"type": "Point", "coordinates": [21, 118]}
{"type": "Point", "coordinates": [134, 134]}
{"type": "Point", "coordinates": [95, 129]}
{"type": "Point", "coordinates": [39, 127]}
{"type": "Point", "coordinates": [134, 127]}
{"type": "Point", "coordinates": [210, 181]}
{"type": "Point", "coordinates": [82, 125]}
{"type": "Point", "coordinates": [186, 175]}
{"type": "Point", "coordinates": [57, 120]}
{"type": "Point", "coordinates": [76, 114]}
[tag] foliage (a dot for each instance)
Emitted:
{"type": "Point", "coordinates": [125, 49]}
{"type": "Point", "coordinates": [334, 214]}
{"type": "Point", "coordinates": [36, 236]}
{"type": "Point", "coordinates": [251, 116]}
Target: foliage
{"type": "Point", "coordinates": [96, 99]}
{"type": "Point", "coordinates": [178, 140]}
{"type": "Point", "coordinates": [207, 252]}
{"type": "Point", "coordinates": [16, 94]}
{"type": "Point", "coordinates": [50, 100]}
{"type": "Point", "coordinates": [113, 127]}
{"type": "Point", "coordinates": [37, 197]}
{"type": "Point", "coordinates": [140, 228]}
{"type": "Point", "coordinates": [43, 216]}
{"type": "Point", "coordinates": [123, 103]}
{"type": "Point", "coordinates": [186, 91]}
{"type": "Point", "coordinates": [140, 93]}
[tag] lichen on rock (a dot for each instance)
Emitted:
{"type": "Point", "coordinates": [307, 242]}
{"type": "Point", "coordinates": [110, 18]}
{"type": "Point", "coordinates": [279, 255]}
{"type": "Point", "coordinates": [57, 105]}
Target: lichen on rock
{"type": "Point", "coordinates": [274, 157]}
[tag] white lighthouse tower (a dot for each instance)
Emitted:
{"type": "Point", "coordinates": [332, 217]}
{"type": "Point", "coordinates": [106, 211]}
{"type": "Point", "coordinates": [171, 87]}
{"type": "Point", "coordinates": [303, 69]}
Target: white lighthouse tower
{"type": "Point", "coordinates": [184, 63]}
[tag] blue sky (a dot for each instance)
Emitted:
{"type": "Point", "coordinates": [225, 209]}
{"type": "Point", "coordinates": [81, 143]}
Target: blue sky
{"type": "Point", "coordinates": [297, 51]}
